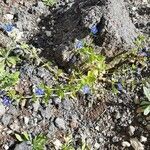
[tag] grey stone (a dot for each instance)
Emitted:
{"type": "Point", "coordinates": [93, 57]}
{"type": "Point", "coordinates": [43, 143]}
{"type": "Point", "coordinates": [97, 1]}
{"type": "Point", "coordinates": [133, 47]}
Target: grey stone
{"type": "Point", "coordinates": [97, 145]}
{"type": "Point", "coordinates": [41, 5]}
{"type": "Point", "coordinates": [26, 120]}
{"type": "Point", "coordinates": [60, 123]}
{"type": "Point", "coordinates": [48, 112]}
{"type": "Point", "coordinates": [136, 144]}
{"type": "Point", "coordinates": [143, 139]}
{"type": "Point", "coordinates": [19, 25]}
{"type": "Point", "coordinates": [115, 34]}
{"type": "Point", "coordinates": [2, 109]}
{"type": "Point", "coordinates": [27, 69]}
{"type": "Point", "coordinates": [36, 105]}
{"type": "Point", "coordinates": [13, 111]}
{"type": "Point", "coordinates": [6, 119]}
{"type": "Point", "coordinates": [8, 16]}
{"type": "Point", "coordinates": [126, 144]}
{"type": "Point", "coordinates": [15, 126]}
{"type": "Point", "coordinates": [56, 101]}
{"type": "Point", "coordinates": [23, 146]}
{"type": "Point", "coordinates": [42, 72]}
{"type": "Point", "coordinates": [148, 127]}
{"type": "Point", "coordinates": [48, 33]}
{"type": "Point", "coordinates": [67, 104]}
{"type": "Point", "coordinates": [131, 130]}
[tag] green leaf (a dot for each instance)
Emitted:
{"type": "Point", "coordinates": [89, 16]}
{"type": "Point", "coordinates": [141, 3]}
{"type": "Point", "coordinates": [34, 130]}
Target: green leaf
{"type": "Point", "coordinates": [1, 59]}
{"type": "Point", "coordinates": [147, 110]}
{"type": "Point", "coordinates": [12, 60]}
{"type": "Point", "coordinates": [39, 142]}
{"type": "Point", "coordinates": [2, 67]}
{"type": "Point", "coordinates": [147, 92]}
{"type": "Point", "coordinates": [26, 136]}
{"type": "Point", "coordinates": [145, 103]}
{"type": "Point", "coordinates": [18, 137]}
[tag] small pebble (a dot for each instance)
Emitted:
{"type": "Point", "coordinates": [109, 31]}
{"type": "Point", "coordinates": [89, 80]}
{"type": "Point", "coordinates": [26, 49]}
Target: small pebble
{"type": "Point", "coordinates": [143, 139]}
{"type": "Point", "coordinates": [97, 128]}
{"type": "Point", "coordinates": [60, 123]}
{"type": "Point", "coordinates": [8, 16]}
{"type": "Point", "coordinates": [97, 145]}
{"type": "Point", "coordinates": [57, 144]}
{"type": "Point", "coordinates": [131, 130]}
{"type": "Point", "coordinates": [26, 120]}
{"type": "Point", "coordinates": [126, 144]}
{"type": "Point", "coordinates": [2, 109]}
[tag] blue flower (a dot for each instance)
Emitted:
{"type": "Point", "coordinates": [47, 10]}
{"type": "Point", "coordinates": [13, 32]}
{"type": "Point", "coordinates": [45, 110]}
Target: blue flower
{"type": "Point", "coordinates": [6, 101]}
{"type": "Point", "coordinates": [85, 89]}
{"type": "Point", "coordinates": [94, 29]}
{"type": "Point", "coordinates": [39, 91]}
{"type": "Point", "coordinates": [119, 85]}
{"type": "Point", "coordinates": [8, 27]}
{"type": "Point", "coordinates": [78, 44]}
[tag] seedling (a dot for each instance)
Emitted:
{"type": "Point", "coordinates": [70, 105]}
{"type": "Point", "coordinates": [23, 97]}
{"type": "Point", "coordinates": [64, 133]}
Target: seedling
{"type": "Point", "coordinates": [38, 142]}
{"type": "Point", "coordinates": [31, 53]}
{"type": "Point", "coordinates": [146, 103]}
{"type": "Point", "coordinates": [6, 59]}
{"type": "Point", "coordinates": [49, 2]}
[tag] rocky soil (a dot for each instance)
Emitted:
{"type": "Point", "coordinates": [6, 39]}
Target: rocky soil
{"type": "Point", "coordinates": [103, 120]}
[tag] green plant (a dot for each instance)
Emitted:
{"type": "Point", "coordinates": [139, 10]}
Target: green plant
{"type": "Point", "coordinates": [7, 83]}
{"type": "Point", "coordinates": [31, 53]}
{"type": "Point", "coordinates": [6, 59]}
{"type": "Point", "coordinates": [68, 145]}
{"type": "Point", "coordinates": [146, 104]}
{"type": "Point", "coordinates": [49, 2]}
{"type": "Point", "coordinates": [8, 80]}
{"type": "Point", "coordinates": [87, 73]}
{"type": "Point", "coordinates": [38, 142]}
{"type": "Point", "coordinates": [23, 137]}
{"type": "Point", "coordinates": [124, 66]}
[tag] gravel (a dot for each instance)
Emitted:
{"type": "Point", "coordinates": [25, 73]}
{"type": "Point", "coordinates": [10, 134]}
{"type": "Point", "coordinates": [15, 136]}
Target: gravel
{"type": "Point", "coordinates": [23, 146]}
{"type": "Point", "coordinates": [60, 123]}
{"type": "Point", "coordinates": [6, 119]}
{"type": "Point", "coordinates": [2, 109]}
{"type": "Point", "coordinates": [53, 31]}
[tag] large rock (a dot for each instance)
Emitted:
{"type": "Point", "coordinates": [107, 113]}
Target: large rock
{"type": "Point", "coordinates": [23, 146]}
{"type": "Point", "coordinates": [74, 20]}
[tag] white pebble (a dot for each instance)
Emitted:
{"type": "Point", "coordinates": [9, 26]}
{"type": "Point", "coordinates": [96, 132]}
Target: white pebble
{"type": "Point", "coordinates": [143, 139]}
{"type": "Point", "coordinates": [26, 120]}
{"type": "Point", "coordinates": [131, 130]}
{"type": "Point", "coordinates": [57, 144]}
{"type": "Point", "coordinates": [97, 145]}
{"type": "Point", "coordinates": [8, 16]}
{"type": "Point", "coordinates": [126, 144]}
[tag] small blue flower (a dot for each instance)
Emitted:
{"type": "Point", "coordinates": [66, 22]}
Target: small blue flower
{"type": "Point", "coordinates": [6, 101]}
{"type": "Point", "coordinates": [85, 89]}
{"type": "Point", "coordinates": [8, 27]}
{"type": "Point", "coordinates": [119, 85]}
{"type": "Point", "coordinates": [78, 44]}
{"type": "Point", "coordinates": [94, 29]}
{"type": "Point", "coordinates": [39, 91]}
